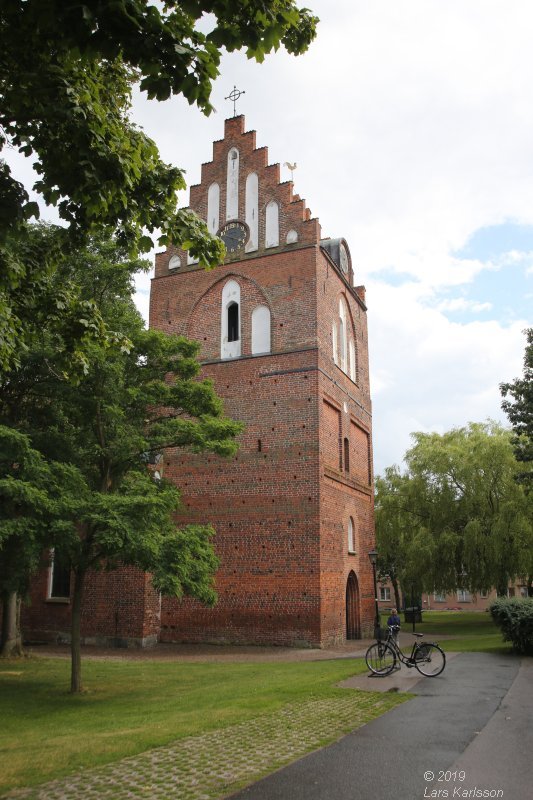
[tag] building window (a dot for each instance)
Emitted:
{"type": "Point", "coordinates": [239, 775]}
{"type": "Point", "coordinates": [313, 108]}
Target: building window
{"type": "Point", "coordinates": [483, 595]}
{"type": "Point", "coordinates": [252, 211]}
{"type": "Point", "coordinates": [59, 577]}
{"type": "Point", "coordinates": [174, 263]}
{"type": "Point", "coordinates": [343, 339]}
{"type": "Point", "coordinates": [230, 321]}
{"type": "Point", "coordinates": [346, 454]}
{"type": "Point", "coordinates": [351, 536]}
{"type": "Point", "coordinates": [232, 185]}
{"type": "Point", "coordinates": [213, 208]}
{"type": "Point", "coordinates": [352, 361]}
{"type": "Point", "coordinates": [272, 224]}
{"type": "Point", "coordinates": [463, 596]}
{"type": "Point", "coordinates": [439, 597]}
{"type": "Point", "coordinates": [261, 330]}
{"type": "Point", "coordinates": [292, 236]}
{"type": "Point", "coordinates": [334, 342]}
{"type": "Point", "coordinates": [233, 322]}
{"type": "Point", "coordinates": [384, 593]}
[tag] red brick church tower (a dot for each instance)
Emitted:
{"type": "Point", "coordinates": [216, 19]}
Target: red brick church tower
{"type": "Point", "coordinates": [284, 338]}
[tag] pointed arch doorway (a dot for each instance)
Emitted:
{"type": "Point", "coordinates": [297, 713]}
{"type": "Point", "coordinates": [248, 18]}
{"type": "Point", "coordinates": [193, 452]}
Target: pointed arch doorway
{"type": "Point", "coordinates": [353, 614]}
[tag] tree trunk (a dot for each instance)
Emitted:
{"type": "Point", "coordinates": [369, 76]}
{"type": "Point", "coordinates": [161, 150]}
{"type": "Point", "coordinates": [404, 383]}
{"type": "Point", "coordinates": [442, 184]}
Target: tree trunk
{"type": "Point", "coordinates": [11, 636]}
{"type": "Point", "coordinates": [75, 636]}
{"type": "Point", "coordinates": [397, 599]}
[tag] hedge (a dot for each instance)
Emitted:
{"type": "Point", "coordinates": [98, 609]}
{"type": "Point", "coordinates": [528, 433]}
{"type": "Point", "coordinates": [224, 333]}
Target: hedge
{"type": "Point", "coordinates": [514, 617]}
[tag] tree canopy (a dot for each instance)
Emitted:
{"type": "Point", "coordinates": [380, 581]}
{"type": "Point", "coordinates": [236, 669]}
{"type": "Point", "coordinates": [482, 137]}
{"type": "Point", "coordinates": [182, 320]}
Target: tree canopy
{"type": "Point", "coordinates": [456, 518]}
{"type": "Point", "coordinates": [66, 75]}
{"type": "Point", "coordinates": [138, 397]}
{"type": "Point", "coordinates": [518, 405]}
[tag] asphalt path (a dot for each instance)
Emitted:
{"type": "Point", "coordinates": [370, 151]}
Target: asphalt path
{"type": "Point", "coordinates": [467, 734]}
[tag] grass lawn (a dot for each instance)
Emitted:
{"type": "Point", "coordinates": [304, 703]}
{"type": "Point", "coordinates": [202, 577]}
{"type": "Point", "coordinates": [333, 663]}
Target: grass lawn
{"type": "Point", "coordinates": [470, 631]}
{"type": "Point", "coordinates": [130, 707]}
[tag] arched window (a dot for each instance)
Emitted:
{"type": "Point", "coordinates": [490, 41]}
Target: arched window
{"type": "Point", "coordinates": [213, 208]}
{"type": "Point", "coordinates": [232, 185]}
{"type": "Point", "coordinates": [59, 576]}
{"type": "Point", "coordinates": [346, 453]}
{"type": "Point", "coordinates": [343, 344]}
{"type": "Point", "coordinates": [230, 320]}
{"type": "Point", "coordinates": [233, 322]}
{"type": "Point", "coordinates": [292, 236]}
{"type": "Point", "coordinates": [353, 374]}
{"type": "Point", "coordinates": [272, 224]}
{"type": "Point", "coordinates": [351, 536]}
{"type": "Point", "coordinates": [334, 342]}
{"type": "Point", "coordinates": [252, 211]}
{"type": "Point", "coordinates": [261, 330]}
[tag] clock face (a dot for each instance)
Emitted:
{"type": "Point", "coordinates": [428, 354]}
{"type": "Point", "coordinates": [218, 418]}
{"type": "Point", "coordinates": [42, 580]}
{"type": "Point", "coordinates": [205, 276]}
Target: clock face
{"type": "Point", "coordinates": [344, 259]}
{"type": "Point", "coordinates": [234, 235]}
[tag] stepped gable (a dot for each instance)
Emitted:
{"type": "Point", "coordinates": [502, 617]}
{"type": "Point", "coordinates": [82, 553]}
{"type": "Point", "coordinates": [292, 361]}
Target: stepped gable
{"type": "Point", "coordinates": [293, 226]}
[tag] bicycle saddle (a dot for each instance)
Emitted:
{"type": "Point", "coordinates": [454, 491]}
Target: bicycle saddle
{"type": "Point", "coordinates": [418, 634]}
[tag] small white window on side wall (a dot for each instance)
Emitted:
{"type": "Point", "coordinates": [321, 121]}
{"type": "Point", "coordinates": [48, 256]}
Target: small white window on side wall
{"type": "Point", "coordinates": [351, 536]}
{"type": "Point", "coordinates": [352, 361]}
{"type": "Point", "coordinates": [342, 335]}
{"type": "Point", "coordinates": [58, 577]}
{"type": "Point", "coordinates": [261, 330]}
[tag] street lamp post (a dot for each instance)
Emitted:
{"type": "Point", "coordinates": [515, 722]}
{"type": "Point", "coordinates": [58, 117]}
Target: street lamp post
{"type": "Point", "coordinates": [373, 556]}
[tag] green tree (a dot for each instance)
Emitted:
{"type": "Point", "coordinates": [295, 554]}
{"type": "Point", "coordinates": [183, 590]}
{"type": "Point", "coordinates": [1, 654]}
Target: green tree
{"type": "Point", "coordinates": [66, 75]}
{"type": "Point", "coordinates": [133, 402]}
{"type": "Point", "coordinates": [456, 517]}
{"type": "Point", "coordinates": [29, 502]}
{"type": "Point", "coordinates": [392, 535]}
{"type": "Point", "coordinates": [519, 409]}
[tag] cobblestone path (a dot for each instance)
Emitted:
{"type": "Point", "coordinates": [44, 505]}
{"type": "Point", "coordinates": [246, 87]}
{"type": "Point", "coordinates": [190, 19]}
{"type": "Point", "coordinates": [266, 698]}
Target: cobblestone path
{"type": "Point", "coordinates": [215, 764]}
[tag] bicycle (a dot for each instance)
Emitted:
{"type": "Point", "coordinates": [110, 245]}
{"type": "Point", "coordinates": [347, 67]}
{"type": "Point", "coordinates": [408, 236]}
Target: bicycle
{"type": "Point", "coordinates": [428, 658]}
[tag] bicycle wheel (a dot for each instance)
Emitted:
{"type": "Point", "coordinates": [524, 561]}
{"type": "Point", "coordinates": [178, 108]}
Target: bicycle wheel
{"type": "Point", "coordinates": [380, 658]}
{"type": "Point", "coordinates": [430, 660]}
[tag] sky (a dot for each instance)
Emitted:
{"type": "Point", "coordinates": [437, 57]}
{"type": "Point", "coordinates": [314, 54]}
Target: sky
{"type": "Point", "coordinates": [411, 123]}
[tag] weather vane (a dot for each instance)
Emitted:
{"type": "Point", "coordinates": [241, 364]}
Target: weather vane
{"type": "Point", "coordinates": [292, 167]}
{"type": "Point", "coordinates": [234, 96]}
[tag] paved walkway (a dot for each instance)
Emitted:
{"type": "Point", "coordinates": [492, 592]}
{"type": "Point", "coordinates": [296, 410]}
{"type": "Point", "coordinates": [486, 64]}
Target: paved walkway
{"type": "Point", "coordinates": [467, 733]}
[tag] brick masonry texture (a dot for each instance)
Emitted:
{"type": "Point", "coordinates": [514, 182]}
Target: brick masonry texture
{"type": "Point", "coordinates": [281, 507]}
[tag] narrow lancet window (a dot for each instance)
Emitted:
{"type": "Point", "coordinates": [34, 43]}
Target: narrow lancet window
{"type": "Point", "coordinates": [252, 211]}
{"type": "Point", "coordinates": [232, 185]}
{"type": "Point", "coordinates": [233, 322]}
{"type": "Point", "coordinates": [272, 224]}
{"type": "Point", "coordinates": [213, 208]}
{"type": "Point", "coordinates": [230, 321]}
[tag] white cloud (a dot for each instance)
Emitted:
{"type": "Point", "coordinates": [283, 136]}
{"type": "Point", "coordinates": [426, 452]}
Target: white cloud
{"type": "Point", "coordinates": [462, 304]}
{"type": "Point", "coordinates": [412, 125]}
